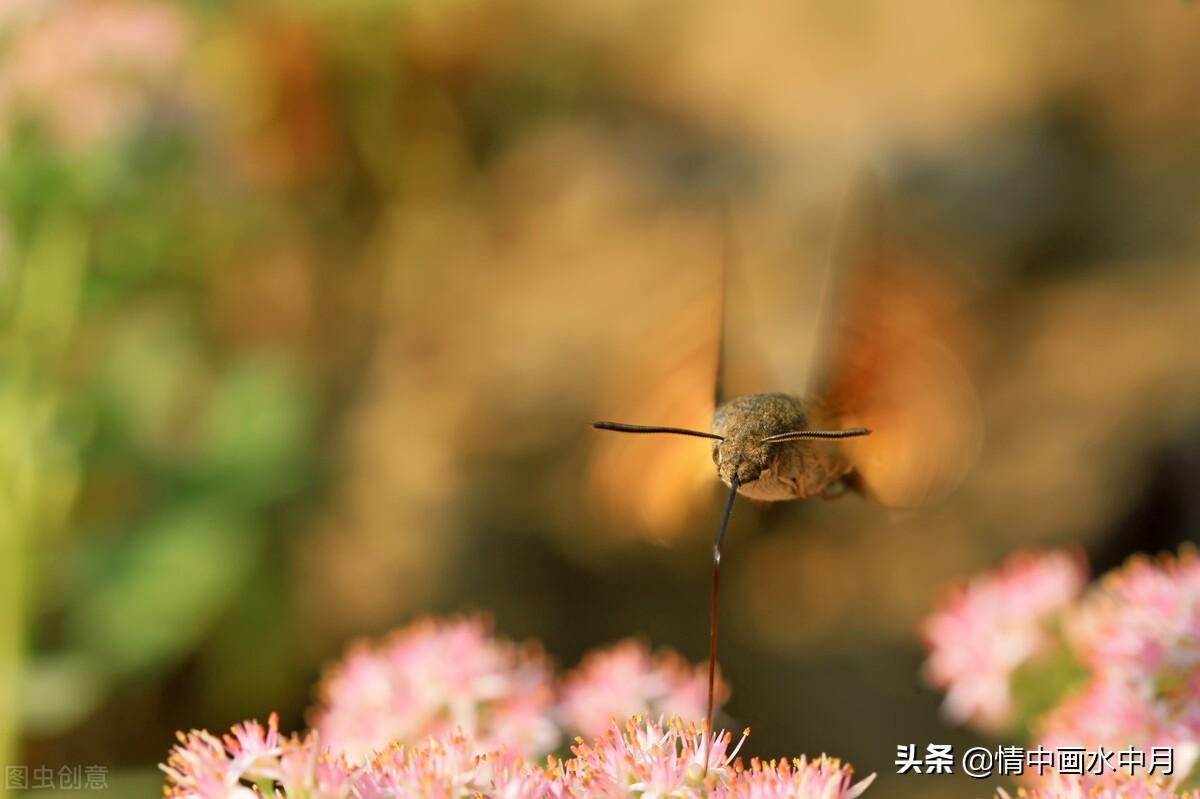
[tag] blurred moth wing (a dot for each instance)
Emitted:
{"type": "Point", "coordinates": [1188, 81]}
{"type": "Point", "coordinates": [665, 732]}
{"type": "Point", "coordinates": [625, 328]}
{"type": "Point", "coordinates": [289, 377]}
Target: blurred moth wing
{"type": "Point", "coordinates": [655, 484]}
{"type": "Point", "coordinates": [891, 357]}
{"type": "Point", "coordinates": [739, 367]}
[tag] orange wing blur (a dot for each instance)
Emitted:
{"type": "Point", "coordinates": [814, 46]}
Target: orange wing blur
{"type": "Point", "coordinates": [652, 483]}
{"type": "Point", "coordinates": [897, 342]}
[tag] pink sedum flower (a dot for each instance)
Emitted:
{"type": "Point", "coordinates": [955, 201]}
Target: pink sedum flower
{"type": "Point", "coordinates": [626, 680]}
{"type": "Point", "coordinates": [448, 767]}
{"type": "Point", "coordinates": [202, 766]}
{"type": "Point", "coordinates": [1109, 712]}
{"type": "Point", "coordinates": [989, 626]}
{"type": "Point", "coordinates": [640, 759]}
{"type": "Point", "coordinates": [1138, 631]}
{"type": "Point", "coordinates": [434, 677]}
{"type": "Point", "coordinates": [823, 778]}
{"type": "Point", "coordinates": [1142, 618]}
{"type": "Point", "coordinates": [644, 757]}
{"type": "Point", "coordinates": [1114, 714]}
{"type": "Point", "coordinates": [649, 760]}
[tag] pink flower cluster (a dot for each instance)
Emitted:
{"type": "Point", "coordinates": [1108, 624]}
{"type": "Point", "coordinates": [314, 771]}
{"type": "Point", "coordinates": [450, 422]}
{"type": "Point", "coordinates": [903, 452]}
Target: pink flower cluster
{"type": "Point", "coordinates": [1142, 618]}
{"type": "Point", "coordinates": [626, 678]}
{"type": "Point", "coordinates": [1134, 636]}
{"type": "Point", "coordinates": [206, 767]}
{"type": "Point", "coordinates": [440, 676]}
{"type": "Point", "coordinates": [84, 68]}
{"type": "Point", "coordinates": [638, 759]}
{"type": "Point", "coordinates": [434, 677]}
{"type": "Point", "coordinates": [1137, 632]}
{"type": "Point", "coordinates": [989, 626]}
{"type": "Point", "coordinates": [443, 710]}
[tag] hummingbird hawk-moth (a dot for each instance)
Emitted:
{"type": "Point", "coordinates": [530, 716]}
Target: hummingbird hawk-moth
{"type": "Point", "coordinates": [888, 412]}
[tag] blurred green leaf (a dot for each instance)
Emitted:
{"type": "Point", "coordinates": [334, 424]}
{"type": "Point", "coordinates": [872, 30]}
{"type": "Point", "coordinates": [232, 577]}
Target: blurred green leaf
{"type": "Point", "coordinates": [148, 380]}
{"type": "Point", "coordinates": [157, 594]}
{"type": "Point", "coordinates": [42, 314]}
{"type": "Point", "coordinates": [32, 179]}
{"type": "Point", "coordinates": [254, 436]}
{"type": "Point", "coordinates": [146, 226]}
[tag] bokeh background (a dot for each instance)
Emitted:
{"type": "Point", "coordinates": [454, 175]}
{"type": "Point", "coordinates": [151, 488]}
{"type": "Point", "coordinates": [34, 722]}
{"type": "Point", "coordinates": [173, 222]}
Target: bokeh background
{"type": "Point", "coordinates": [307, 307]}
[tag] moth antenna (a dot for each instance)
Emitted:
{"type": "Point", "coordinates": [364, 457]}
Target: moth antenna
{"type": "Point", "coordinates": [712, 624]}
{"type": "Point", "coordinates": [797, 435]}
{"type": "Point", "coordinates": [638, 428]}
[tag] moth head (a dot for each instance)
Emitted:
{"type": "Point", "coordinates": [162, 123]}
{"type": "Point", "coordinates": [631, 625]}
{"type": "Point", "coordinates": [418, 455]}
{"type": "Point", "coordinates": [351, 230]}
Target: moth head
{"type": "Point", "coordinates": [742, 456]}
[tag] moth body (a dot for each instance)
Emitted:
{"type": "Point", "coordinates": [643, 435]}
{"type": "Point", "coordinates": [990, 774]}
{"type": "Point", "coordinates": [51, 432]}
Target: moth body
{"type": "Point", "coordinates": [774, 471]}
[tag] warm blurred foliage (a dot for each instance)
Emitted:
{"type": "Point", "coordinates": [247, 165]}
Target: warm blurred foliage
{"type": "Point", "coordinates": [307, 307]}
